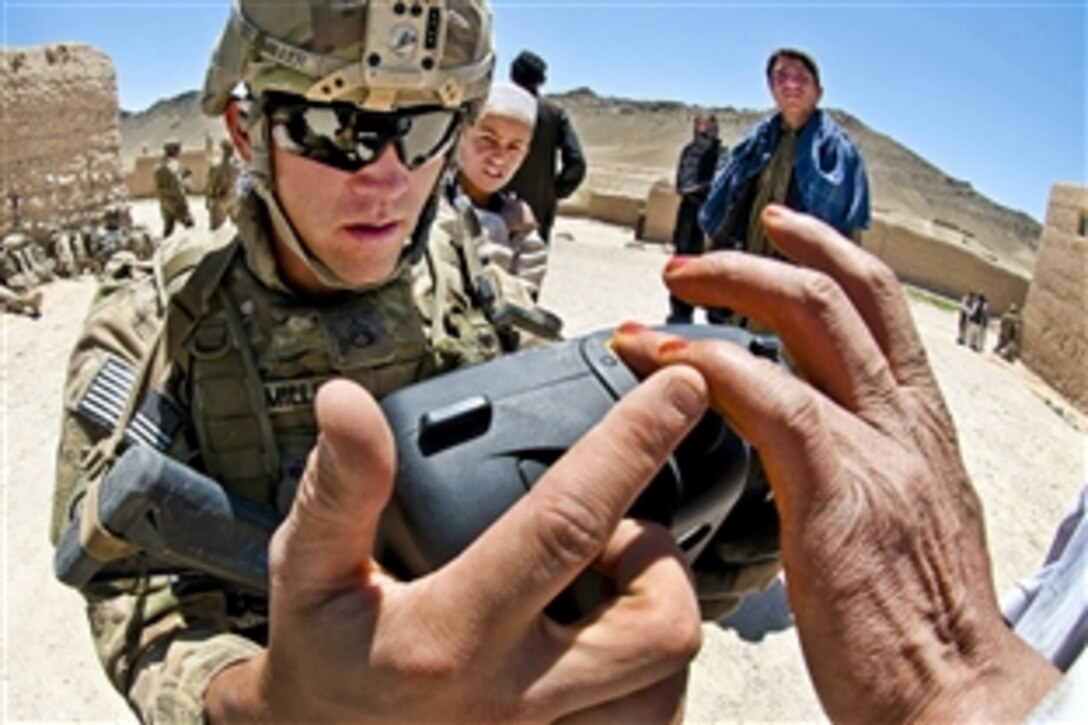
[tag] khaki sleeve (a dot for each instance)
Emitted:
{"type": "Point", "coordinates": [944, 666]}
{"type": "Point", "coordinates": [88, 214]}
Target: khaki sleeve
{"type": "Point", "coordinates": [162, 650]}
{"type": "Point", "coordinates": [160, 639]}
{"type": "Point", "coordinates": [120, 327]}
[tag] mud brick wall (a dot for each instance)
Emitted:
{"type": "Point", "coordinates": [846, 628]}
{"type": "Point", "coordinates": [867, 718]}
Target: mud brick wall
{"type": "Point", "coordinates": [1056, 312]}
{"type": "Point", "coordinates": [60, 142]}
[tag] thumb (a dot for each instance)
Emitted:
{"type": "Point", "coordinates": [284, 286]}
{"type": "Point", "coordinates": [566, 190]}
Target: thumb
{"type": "Point", "coordinates": [327, 540]}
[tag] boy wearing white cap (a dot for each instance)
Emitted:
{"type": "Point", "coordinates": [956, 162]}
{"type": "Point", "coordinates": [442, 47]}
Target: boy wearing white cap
{"type": "Point", "coordinates": [488, 155]}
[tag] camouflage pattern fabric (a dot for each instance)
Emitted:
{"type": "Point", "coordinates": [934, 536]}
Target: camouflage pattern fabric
{"type": "Point", "coordinates": [219, 192]}
{"type": "Point", "coordinates": [162, 639]}
{"type": "Point", "coordinates": [23, 265]}
{"type": "Point", "coordinates": [170, 190]}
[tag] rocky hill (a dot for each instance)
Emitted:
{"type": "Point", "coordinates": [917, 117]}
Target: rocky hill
{"type": "Point", "coordinates": [645, 137]}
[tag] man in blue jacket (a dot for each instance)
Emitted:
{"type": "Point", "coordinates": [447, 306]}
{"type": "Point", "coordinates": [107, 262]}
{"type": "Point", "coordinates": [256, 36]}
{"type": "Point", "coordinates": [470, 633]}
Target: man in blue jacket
{"type": "Point", "coordinates": [798, 157]}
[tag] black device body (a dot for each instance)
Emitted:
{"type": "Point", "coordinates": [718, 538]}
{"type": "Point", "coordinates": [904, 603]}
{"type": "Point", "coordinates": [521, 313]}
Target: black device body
{"type": "Point", "coordinates": [470, 444]}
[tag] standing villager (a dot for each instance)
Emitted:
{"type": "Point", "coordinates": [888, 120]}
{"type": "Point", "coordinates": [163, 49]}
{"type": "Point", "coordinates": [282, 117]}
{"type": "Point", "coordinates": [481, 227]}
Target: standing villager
{"type": "Point", "coordinates": [488, 155]}
{"type": "Point", "coordinates": [538, 181]}
{"type": "Point", "coordinates": [963, 316]}
{"type": "Point", "coordinates": [798, 157]}
{"type": "Point", "coordinates": [978, 322]}
{"type": "Point", "coordinates": [694, 173]}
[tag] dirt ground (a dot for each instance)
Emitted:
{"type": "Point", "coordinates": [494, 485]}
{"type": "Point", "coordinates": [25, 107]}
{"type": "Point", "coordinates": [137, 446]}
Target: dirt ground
{"type": "Point", "coordinates": [1024, 447]}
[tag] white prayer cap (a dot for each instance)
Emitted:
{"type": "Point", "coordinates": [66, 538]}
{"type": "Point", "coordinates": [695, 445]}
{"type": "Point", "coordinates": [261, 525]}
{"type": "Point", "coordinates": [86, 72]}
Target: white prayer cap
{"type": "Point", "coordinates": [511, 101]}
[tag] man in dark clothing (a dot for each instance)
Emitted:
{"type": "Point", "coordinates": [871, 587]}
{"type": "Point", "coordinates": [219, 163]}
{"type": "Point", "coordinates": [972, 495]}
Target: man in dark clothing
{"type": "Point", "coordinates": [698, 163]}
{"type": "Point", "coordinates": [537, 181]}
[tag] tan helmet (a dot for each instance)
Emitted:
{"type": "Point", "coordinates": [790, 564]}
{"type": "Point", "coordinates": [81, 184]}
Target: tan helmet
{"type": "Point", "coordinates": [381, 55]}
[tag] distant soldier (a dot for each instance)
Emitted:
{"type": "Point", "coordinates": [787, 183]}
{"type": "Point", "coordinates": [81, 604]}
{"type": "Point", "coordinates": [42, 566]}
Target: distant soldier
{"type": "Point", "coordinates": [24, 268]}
{"type": "Point", "coordinates": [61, 242]}
{"type": "Point", "coordinates": [220, 190]}
{"type": "Point", "coordinates": [171, 186]}
{"type": "Point", "coordinates": [117, 234]}
{"type": "Point", "coordinates": [1008, 334]}
{"type": "Point", "coordinates": [17, 276]}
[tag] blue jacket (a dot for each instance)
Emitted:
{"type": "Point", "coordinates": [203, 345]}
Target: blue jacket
{"type": "Point", "coordinates": [828, 171]}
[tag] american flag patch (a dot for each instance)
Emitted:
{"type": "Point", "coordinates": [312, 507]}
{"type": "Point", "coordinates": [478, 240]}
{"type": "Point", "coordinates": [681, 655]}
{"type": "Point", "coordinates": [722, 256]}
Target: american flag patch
{"type": "Point", "coordinates": [105, 398]}
{"type": "Point", "coordinates": [155, 424]}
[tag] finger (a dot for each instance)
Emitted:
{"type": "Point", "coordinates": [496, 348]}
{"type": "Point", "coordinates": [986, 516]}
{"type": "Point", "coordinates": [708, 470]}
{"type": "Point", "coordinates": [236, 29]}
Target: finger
{"type": "Point", "coordinates": [326, 542]}
{"type": "Point", "coordinates": [662, 702]}
{"type": "Point", "coordinates": [504, 580]}
{"type": "Point", "coordinates": [655, 597]}
{"type": "Point", "coordinates": [768, 407]}
{"type": "Point", "coordinates": [870, 284]}
{"type": "Point", "coordinates": [827, 339]}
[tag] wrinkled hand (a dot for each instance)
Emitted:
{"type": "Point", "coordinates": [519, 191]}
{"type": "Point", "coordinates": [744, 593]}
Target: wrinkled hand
{"type": "Point", "coordinates": [469, 642]}
{"type": "Point", "coordinates": [882, 534]}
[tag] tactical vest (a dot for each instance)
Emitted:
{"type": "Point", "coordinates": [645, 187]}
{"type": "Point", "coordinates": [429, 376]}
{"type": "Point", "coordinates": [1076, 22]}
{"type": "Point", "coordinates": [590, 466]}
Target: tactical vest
{"type": "Point", "coordinates": [253, 362]}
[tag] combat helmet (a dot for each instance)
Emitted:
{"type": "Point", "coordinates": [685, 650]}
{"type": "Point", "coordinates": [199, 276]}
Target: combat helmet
{"type": "Point", "coordinates": [381, 56]}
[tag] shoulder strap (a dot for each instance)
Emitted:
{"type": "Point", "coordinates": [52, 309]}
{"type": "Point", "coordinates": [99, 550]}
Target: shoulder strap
{"type": "Point", "coordinates": [189, 303]}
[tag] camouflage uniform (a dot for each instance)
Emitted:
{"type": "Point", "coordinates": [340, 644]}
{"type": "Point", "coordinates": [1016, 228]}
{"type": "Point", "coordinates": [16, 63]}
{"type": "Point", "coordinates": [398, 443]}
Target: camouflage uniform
{"type": "Point", "coordinates": [118, 235]}
{"type": "Point", "coordinates": [64, 252]}
{"type": "Point", "coordinates": [220, 190]}
{"type": "Point", "coordinates": [206, 354]}
{"type": "Point", "coordinates": [250, 362]}
{"type": "Point", "coordinates": [170, 188]}
{"type": "Point", "coordinates": [22, 269]}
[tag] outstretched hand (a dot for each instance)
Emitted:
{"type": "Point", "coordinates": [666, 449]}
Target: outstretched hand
{"type": "Point", "coordinates": [882, 533]}
{"type": "Point", "coordinates": [470, 641]}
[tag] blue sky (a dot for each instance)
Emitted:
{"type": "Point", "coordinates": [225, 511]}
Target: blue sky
{"type": "Point", "coordinates": [993, 93]}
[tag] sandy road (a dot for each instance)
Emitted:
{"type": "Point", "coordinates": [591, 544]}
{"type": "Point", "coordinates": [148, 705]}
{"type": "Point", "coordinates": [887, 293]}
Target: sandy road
{"type": "Point", "coordinates": [1025, 450]}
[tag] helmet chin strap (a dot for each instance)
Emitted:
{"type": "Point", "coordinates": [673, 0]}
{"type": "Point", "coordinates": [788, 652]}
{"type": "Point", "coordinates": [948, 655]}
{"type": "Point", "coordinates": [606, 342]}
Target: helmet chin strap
{"type": "Point", "coordinates": [264, 188]}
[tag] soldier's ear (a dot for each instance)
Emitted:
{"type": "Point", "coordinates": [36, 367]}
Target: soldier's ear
{"type": "Point", "coordinates": [237, 124]}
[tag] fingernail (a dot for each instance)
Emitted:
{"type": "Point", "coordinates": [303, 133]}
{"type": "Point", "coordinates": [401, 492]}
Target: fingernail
{"type": "Point", "coordinates": [672, 346]}
{"type": "Point", "coordinates": [630, 327]}
{"type": "Point", "coordinates": [677, 262]}
{"type": "Point", "coordinates": [688, 400]}
{"type": "Point", "coordinates": [775, 211]}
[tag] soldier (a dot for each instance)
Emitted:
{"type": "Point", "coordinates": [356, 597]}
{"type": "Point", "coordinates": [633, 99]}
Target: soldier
{"type": "Point", "coordinates": [346, 126]}
{"type": "Point", "coordinates": [23, 268]}
{"type": "Point", "coordinates": [17, 279]}
{"type": "Point", "coordinates": [61, 242]}
{"type": "Point", "coordinates": [220, 190]}
{"type": "Point", "coordinates": [171, 186]}
{"type": "Point", "coordinates": [1008, 334]}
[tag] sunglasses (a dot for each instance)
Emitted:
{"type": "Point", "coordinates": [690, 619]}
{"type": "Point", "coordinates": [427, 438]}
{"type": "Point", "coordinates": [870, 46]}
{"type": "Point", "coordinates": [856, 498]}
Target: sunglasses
{"type": "Point", "coordinates": [345, 137]}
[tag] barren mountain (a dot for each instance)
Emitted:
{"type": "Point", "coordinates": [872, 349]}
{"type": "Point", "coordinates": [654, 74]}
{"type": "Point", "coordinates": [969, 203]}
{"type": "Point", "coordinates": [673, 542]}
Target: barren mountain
{"type": "Point", "coordinates": [644, 138]}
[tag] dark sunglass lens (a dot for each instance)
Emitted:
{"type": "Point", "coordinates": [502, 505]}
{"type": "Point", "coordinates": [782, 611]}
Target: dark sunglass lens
{"type": "Point", "coordinates": [427, 136]}
{"type": "Point", "coordinates": [347, 138]}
